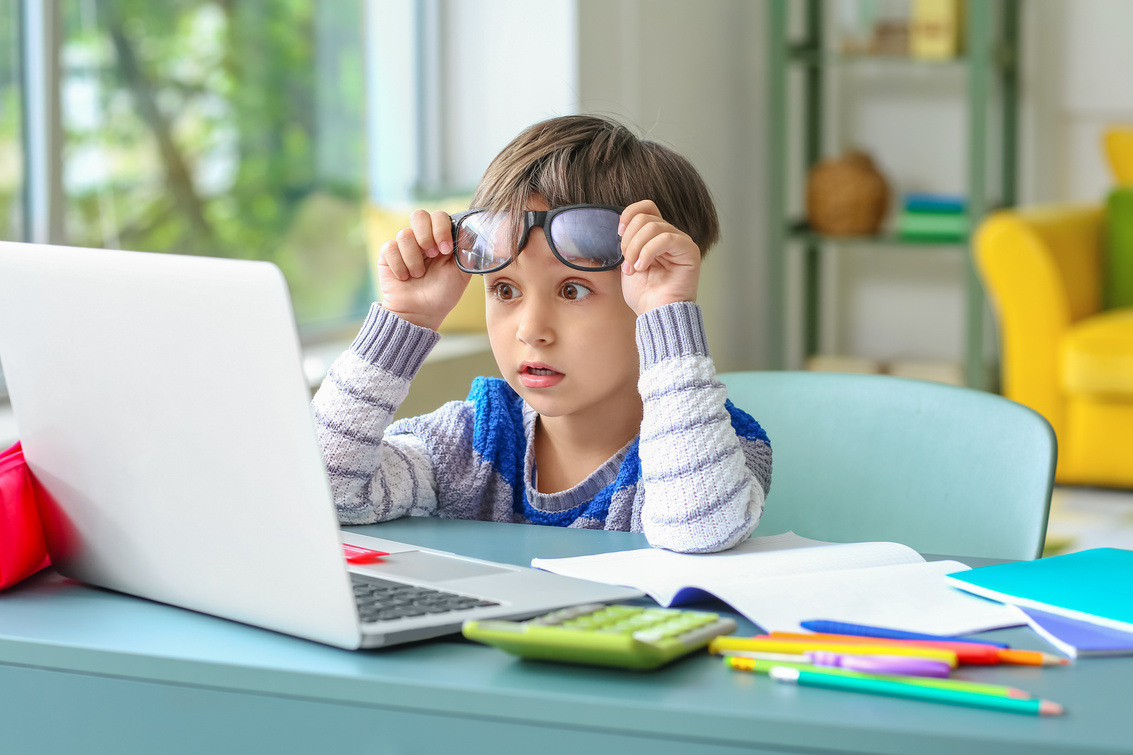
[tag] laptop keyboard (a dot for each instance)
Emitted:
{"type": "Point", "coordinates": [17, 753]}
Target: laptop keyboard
{"type": "Point", "coordinates": [382, 600]}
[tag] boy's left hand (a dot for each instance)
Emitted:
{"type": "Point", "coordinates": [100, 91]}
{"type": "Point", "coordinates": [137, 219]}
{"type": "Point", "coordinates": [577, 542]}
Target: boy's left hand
{"type": "Point", "coordinates": [662, 262]}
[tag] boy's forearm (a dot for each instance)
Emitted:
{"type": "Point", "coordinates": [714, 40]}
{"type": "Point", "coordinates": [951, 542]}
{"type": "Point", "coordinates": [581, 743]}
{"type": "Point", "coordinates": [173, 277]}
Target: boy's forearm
{"type": "Point", "coordinates": [352, 410]}
{"type": "Point", "coordinates": [701, 494]}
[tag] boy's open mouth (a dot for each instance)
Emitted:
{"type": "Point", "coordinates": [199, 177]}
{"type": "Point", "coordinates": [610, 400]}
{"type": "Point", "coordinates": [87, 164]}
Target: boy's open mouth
{"type": "Point", "coordinates": [536, 375]}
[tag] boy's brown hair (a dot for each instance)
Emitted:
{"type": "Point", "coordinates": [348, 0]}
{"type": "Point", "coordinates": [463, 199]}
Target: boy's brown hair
{"type": "Point", "coordinates": [588, 159]}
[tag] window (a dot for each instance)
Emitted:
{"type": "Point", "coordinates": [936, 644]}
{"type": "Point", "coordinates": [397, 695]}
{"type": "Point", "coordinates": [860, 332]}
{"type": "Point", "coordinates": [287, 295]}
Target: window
{"type": "Point", "coordinates": [203, 127]}
{"type": "Point", "coordinates": [262, 129]}
{"type": "Point", "coordinates": [221, 129]}
{"type": "Point", "coordinates": [11, 114]}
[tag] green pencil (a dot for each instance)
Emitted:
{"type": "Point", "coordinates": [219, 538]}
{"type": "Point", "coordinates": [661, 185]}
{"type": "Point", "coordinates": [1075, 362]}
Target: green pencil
{"type": "Point", "coordinates": [891, 688]}
{"type": "Point", "coordinates": [742, 662]}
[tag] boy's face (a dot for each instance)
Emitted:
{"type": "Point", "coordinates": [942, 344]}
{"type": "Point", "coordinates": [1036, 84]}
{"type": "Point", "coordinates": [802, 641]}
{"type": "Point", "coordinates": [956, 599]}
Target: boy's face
{"type": "Point", "coordinates": [564, 339]}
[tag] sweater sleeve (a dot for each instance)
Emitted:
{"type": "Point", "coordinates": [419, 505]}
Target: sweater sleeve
{"type": "Point", "coordinates": [706, 466]}
{"type": "Point", "coordinates": [374, 478]}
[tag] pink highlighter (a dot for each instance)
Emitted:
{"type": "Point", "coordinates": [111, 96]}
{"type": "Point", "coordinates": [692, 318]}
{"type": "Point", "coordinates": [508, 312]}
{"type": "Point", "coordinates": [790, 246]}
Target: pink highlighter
{"type": "Point", "coordinates": [880, 664]}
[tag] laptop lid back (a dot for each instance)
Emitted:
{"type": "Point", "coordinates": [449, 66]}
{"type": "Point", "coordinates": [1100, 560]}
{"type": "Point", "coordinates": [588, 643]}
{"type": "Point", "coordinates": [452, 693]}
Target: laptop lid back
{"type": "Point", "coordinates": [161, 403]}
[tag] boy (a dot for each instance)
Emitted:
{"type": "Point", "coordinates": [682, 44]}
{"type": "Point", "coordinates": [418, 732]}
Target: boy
{"type": "Point", "coordinates": [585, 430]}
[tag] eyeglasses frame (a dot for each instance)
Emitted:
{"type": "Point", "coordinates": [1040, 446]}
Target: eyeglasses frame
{"type": "Point", "coordinates": [533, 219]}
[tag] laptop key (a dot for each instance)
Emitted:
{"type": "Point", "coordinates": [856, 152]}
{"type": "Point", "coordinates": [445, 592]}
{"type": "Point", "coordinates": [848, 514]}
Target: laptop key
{"type": "Point", "coordinates": [383, 600]}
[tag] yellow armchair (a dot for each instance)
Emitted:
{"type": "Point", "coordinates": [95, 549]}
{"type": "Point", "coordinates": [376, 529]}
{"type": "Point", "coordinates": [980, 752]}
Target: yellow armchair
{"type": "Point", "coordinates": [1062, 354]}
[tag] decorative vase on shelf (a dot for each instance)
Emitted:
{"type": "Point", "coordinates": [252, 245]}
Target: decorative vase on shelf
{"type": "Point", "coordinates": [846, 196]}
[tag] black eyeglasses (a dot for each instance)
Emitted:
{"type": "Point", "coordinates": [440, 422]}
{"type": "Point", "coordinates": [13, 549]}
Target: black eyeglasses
{"type": "Point", "coordinates": [582, 236]}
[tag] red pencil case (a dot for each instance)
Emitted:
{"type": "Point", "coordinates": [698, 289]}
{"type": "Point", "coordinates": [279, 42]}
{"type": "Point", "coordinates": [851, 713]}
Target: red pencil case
{"type": "Point", "coordinates": [23, 551]}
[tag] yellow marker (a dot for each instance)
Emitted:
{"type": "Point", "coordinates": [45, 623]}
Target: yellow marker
{"type": "Point", "coordinates": [798, 647]}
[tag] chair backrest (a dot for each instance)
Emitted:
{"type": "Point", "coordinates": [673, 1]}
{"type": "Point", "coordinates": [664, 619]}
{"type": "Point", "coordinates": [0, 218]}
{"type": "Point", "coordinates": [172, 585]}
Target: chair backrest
{"type": "Point", "coordinates": [942, 469]}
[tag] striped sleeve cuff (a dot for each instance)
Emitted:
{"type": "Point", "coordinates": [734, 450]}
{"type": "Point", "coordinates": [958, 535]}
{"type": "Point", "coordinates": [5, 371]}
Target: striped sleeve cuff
{"type": "Point", "coordinates": [674, 330]}
{"type": "Point", "coordinates": [393, 344]}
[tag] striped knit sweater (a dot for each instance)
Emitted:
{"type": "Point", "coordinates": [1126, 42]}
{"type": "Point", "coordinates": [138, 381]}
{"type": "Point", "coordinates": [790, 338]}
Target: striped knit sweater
{"type": "Point", "coordinates": [694, 479]}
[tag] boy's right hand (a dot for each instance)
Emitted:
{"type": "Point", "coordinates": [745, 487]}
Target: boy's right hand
{"type": "Point", "coordinates": [417, 272]}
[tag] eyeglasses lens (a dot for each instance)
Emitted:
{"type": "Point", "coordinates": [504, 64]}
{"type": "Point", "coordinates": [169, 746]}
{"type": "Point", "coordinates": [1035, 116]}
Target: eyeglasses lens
{"type": "Point", "coordinates": [481, 241]}
{"type": "Point", "coordinates": [587, 237]}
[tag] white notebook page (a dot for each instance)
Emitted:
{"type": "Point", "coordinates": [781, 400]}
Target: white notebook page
{"type": "Point", "coordinates": [781, 580]}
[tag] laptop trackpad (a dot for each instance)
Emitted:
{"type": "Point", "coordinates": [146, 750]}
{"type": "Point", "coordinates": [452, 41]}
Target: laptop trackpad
{"type": "Point", "coordinates": [428, 567]}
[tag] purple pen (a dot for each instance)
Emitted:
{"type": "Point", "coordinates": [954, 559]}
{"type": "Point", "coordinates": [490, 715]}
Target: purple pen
{"type": "Point", "coordinates": [880, 664]}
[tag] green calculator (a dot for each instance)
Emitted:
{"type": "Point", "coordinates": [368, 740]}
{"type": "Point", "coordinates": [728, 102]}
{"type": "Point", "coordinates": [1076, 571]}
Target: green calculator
{"type": "Point", "coordinates": [634, 637]}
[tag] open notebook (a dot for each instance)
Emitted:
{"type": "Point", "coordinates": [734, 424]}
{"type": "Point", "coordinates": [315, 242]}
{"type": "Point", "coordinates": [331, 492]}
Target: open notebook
{"type": "Point", "coordinates": [781, 580]}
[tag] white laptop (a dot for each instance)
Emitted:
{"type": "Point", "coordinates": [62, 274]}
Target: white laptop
{"type": "Point", "coordinates": [161, 402]}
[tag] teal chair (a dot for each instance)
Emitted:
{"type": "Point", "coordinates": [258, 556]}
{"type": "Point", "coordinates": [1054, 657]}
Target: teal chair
{"type": "Point", "coordinates": [944, 470]}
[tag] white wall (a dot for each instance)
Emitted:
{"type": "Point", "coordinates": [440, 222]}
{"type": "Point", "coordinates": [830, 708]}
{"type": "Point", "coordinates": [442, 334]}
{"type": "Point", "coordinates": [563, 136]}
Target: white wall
{"type": "Point", "coordinates": [507, 64]}
{"type": "Point", "coordinates": [691, 75]}
{"type": "Point", "coordinates": [1094, 90]}
{"type": "Point", "coordinates": [443, 102]}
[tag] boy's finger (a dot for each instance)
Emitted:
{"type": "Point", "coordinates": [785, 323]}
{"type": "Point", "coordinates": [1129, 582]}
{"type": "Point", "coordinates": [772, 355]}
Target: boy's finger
{"type": "Point", "coordinates": [391, 258]}
{"type": "Point", "coordinates": [442, 231]}
{"type": "Point", "coordinates": [629, 259]}
{"type": "Point", "coordinates": [635, 226]}
{"type": "Point", "coordinates": [644, 206]}
{"type": "Point", "coordinates": [657, 247]}
{"type": "Point", "coordinates": [422, 224]}
{"type": "Point", "coordinates": [411, 253]}
{"type": "Point", "coordinates": [642, 229]}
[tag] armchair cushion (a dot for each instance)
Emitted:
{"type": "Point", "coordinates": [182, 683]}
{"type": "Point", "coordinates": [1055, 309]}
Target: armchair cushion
{"type": "Point", "coordinates": [1097, 355]}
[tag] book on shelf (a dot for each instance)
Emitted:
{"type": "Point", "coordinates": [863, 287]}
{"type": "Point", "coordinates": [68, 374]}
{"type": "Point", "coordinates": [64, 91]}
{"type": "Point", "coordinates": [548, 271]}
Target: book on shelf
{"type": "Point", "coordinates": [933, 217]}
{"type": "Point", "coordinates": [932, 226]}
{"type": "Point", "coordinates": [1094, 586]}
{"type": "Point", "coordinates": [947, 204]}
{"type": "Point", "coordinates": [781, 580]}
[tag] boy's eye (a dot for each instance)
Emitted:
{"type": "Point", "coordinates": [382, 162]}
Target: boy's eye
{"type": "Point", "coordinates": [575, 291]}
{"type": "Point", "coordinates": [504, 291]}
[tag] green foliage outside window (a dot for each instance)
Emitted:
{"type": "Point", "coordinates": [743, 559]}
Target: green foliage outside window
{"type": "Point", "coordinates": [221, 128]}
{"type": "Point", "coordinates": [11, 167]}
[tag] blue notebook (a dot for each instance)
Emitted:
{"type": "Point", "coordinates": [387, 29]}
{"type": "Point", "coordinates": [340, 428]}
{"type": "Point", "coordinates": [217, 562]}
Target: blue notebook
{"type": "Point", "coordinates": [1095, 586]}
{"type": "Point", "coordinates": [1079, 639]}
{"type": "Point", "coordinates": [935, 203]}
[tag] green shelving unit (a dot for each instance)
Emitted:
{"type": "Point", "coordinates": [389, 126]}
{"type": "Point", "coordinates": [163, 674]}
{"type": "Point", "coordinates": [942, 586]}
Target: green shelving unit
{"type": "Point", "coordinates": [990, 58]}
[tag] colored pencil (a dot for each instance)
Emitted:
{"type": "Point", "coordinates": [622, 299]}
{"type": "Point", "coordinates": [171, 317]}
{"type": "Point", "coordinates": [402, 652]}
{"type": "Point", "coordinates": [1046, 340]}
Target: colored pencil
{"type": "Point", "coordinates": [825, 626]}
{"type": "Point", "coordinates": [826, 680]}
{"type": "Point", "coordinates": [798, 647]}
{"type": "Point", "coordinates": [966, 652]}
{"type": "Point", "coordinates": [763, 666]}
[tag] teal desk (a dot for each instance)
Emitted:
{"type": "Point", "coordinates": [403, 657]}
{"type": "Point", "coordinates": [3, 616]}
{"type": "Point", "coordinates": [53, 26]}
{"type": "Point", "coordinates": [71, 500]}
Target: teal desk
{"type": "Point", "coordinates": [88, 671]}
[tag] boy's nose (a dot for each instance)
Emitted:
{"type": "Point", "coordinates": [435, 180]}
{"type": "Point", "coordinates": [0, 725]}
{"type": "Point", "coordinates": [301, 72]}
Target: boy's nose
{"type": "Point", "coordinates": [535, 323]}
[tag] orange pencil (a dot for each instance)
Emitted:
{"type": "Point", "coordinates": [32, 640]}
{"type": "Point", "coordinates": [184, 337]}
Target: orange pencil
{"type": "Point", "coordinates": [966, 652]}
